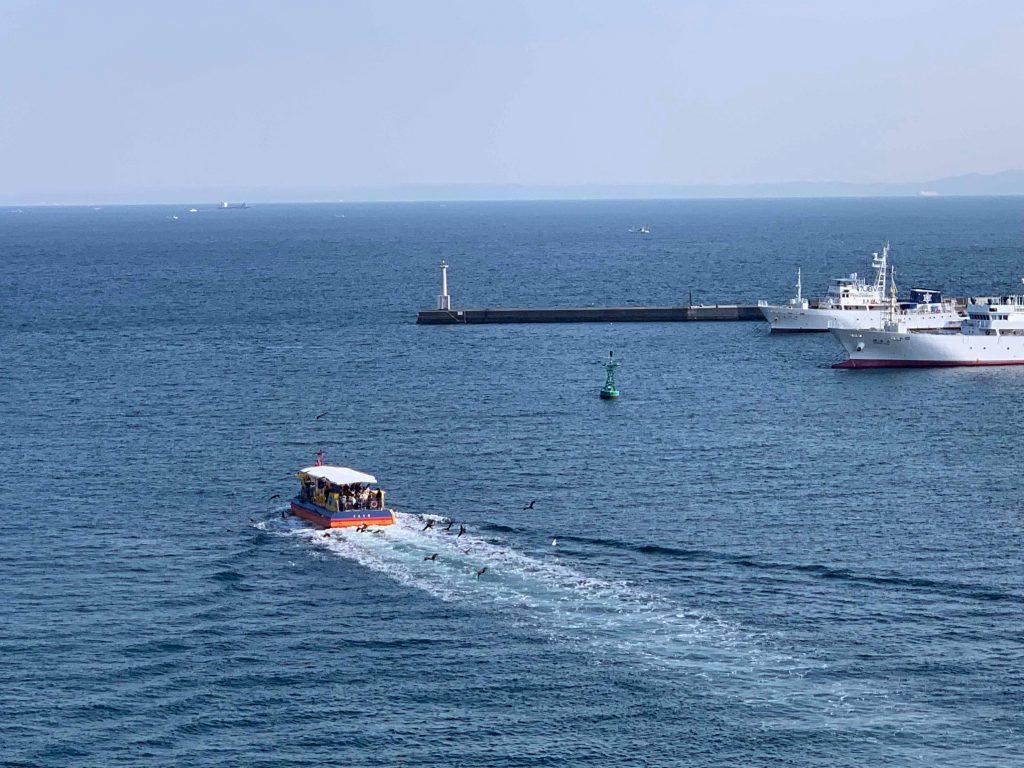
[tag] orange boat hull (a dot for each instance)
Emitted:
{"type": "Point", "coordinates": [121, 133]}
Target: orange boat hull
{"type": "Point", "coordinates": [349, 518]}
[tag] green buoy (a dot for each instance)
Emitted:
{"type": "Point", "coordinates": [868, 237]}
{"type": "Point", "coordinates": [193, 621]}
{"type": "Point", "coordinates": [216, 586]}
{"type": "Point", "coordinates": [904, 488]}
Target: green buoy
{"type": "Point", "coordinates": [608, 391]}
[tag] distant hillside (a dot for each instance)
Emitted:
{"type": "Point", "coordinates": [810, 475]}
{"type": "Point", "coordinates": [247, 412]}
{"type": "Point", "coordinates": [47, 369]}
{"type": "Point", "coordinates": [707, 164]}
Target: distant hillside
{"type": "Point", "coordinates": [1009, 182]}
{"type": "Point", "coordinates": [1004, 183]}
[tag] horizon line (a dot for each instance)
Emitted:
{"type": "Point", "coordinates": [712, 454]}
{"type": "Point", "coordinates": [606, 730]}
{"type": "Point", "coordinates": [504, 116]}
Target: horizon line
{"type": "Point", "coordinates": [1007, 182]}
{"type": "Point", "coordinates": [215, 204]}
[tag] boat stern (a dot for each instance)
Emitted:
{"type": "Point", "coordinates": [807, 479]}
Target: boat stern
{"type": "Point", "coordinates": [349, 518]}
{"type": "Point", "coordinates": [795, 318]}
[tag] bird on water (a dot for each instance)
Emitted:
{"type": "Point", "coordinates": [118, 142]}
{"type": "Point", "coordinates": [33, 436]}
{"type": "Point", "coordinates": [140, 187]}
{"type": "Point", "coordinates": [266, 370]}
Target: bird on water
{"type": "Point", "coordinates": [430, 524]}
{"type": "Point", "coordinates": [481, 571]}
{"type": "Point", "coordinates": [431, 557]}
{"type": "Point", "coordinates": [275, 496]}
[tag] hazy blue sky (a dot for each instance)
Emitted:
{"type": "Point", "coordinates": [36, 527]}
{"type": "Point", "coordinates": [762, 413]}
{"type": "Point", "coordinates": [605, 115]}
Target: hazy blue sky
{"type": "Point", "coordinates": [109, 100]}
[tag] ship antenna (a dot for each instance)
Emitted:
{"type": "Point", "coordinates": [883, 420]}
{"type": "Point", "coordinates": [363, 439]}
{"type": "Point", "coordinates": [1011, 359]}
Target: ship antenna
{"type": "Point", "coordinates": [892, 295]}
{"type": "Point", "coordinates": [799, 297]}
{"type": "Point", "coordinates": [883, 263]}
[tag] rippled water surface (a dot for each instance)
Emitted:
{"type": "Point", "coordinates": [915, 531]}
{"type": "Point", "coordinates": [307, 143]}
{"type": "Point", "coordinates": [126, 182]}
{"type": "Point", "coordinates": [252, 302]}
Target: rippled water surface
{"type": "Point", "coordinates": [759, 560]}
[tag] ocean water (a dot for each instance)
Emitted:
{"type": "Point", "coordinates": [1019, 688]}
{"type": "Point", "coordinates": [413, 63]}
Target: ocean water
{"type": "Point", "coordinates": [760, 561]}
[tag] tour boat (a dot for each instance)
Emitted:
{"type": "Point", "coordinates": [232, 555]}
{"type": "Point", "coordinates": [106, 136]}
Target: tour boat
{"type": "Point", "coordinates": [992, 334]}
{"type": "Point", "coordinates": [852, 302]}
{"type": "Point", "coordinates": [339, 497]}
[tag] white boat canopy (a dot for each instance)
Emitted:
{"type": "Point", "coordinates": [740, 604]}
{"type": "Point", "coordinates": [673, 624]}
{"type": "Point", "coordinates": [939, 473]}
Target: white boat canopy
{"type": "Point", "coordinates": [339, 475]}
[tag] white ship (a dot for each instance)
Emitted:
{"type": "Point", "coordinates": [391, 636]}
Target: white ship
{"type": "Point", "coordinates": [992, 334]}
{"type": "Point", "coordinates": [851, 302]}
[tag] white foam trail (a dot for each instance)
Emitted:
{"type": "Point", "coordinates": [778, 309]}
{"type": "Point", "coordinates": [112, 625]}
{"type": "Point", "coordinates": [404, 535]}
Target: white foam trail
{"type": "Point", "coordinates": [558, 599]}
{"type": "Point", "coordinates": [614, 615]}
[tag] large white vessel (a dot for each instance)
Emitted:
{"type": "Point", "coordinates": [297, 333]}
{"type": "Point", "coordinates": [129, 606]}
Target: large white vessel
{"type": "Point", "coordinates": [852, 302]}
{"type": "Point", "coordinates": [992, 334]}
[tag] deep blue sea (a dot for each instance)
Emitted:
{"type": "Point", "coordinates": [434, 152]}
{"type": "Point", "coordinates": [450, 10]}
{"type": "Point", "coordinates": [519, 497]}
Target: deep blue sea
{"type": "Point", "coordinates": [760, 561]}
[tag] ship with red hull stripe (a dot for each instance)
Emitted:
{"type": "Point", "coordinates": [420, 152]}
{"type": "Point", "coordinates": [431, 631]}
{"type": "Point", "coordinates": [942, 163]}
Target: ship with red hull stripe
{"type": "Point", "coordinates": [339, 497]}
{"type": "Point", "coordinates": [992, 334]}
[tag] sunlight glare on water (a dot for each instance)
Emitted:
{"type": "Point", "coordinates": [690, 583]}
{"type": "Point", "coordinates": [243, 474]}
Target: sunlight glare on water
{"type": "Point", "coordinates": [759, 560]}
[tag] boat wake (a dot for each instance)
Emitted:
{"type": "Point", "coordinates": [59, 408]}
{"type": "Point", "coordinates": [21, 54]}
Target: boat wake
{"type": "Point", "coordinates": [617, 619]}
{"type": "Point", "coordinates": [545, 593]}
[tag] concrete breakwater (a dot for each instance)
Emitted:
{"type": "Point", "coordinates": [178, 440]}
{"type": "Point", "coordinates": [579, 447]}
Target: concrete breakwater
{"type": "Point", "coordinates": [689, 313]}
{"type": "Point", "coordinates": [445, 315]}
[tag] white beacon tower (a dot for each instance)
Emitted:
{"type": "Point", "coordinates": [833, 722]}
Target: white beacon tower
{"type": "Point", "coordinates": [444, 301]}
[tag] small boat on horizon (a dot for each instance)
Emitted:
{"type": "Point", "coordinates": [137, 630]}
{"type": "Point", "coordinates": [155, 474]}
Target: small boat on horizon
{"type": "Point", "coordinates": [339, 497]}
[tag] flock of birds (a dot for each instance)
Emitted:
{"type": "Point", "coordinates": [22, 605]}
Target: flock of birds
{"type": "Point", "coordinates": [448, 529]}
{"type": "Point", "coordinates": [428, 524]}
{"type": "Point", "coordinates": [364, 528]}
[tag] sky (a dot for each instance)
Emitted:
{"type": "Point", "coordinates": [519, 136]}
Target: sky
{"type": "Point", "coordinates": [147, 101]}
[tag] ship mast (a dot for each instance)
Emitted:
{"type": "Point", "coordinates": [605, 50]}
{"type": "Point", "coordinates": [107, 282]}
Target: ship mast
{"type": "Point", "coordinates": [893, 313]}
{"type": "Point", "coordinates": [880, 262]}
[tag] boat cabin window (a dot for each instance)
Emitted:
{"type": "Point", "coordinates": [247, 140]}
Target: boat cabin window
{"type": "Point", "coordinates": [341, 497]}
